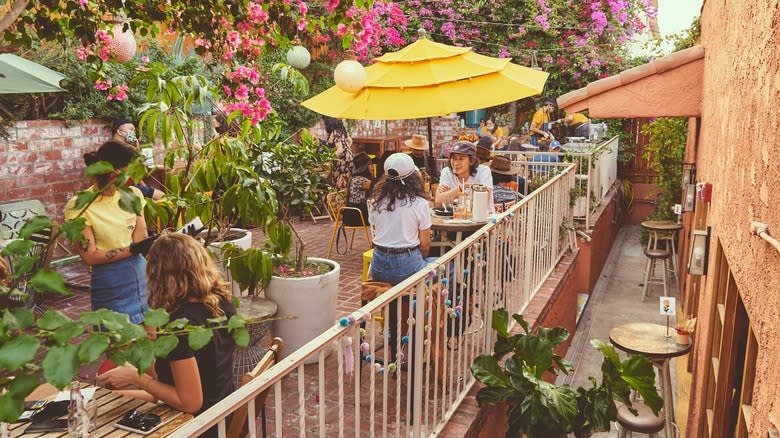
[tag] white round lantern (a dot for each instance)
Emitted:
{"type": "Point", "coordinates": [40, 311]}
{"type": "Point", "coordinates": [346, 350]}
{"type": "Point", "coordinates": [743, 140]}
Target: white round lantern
{"type": "Point", "coordinates": [122, 42]}
{"type": "Point", "coordinates": [298, 57]}
{"type": "Point", "coordinates": [350, 76]}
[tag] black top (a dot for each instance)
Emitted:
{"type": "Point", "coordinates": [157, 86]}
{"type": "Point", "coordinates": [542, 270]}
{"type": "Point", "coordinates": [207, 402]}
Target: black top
{"type": "Point", "coordinates": [215, 359]}
{"type": "Point", "coordinates": [429, 165]}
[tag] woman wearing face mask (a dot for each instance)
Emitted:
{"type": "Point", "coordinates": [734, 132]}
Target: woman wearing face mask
{"type": "Point", "coordinates": [114, 239]}
{"type": "Point", "coordinates": [124, 132]}
{"type": "Point", "coordinates": [463, 172]}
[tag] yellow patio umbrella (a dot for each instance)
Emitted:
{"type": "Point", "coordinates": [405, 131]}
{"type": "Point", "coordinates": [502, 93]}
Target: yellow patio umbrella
{"type": "Point", "coordinates": [427, 79]}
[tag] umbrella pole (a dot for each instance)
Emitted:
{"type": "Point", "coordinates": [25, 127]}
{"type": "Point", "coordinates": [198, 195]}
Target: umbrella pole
{"type": "Point", "coordinates": [430, 137]}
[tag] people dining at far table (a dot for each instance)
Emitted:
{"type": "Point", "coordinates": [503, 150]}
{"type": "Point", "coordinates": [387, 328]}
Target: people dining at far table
{"type": "Point", "coordinates": [461, 174]}
{"type": "Point", "coordinates": [484, 149]}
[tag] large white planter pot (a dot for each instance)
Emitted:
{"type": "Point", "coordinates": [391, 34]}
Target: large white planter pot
{"type": "Point", "coordinates": [310, 301]}
{"type": "Point", "coordinates": [243, 243]}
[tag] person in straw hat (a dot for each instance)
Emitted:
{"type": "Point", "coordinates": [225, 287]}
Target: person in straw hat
{"type": "Point", "coordinates": [417, 146]}
{"type": "Point", "coordinates": [504, 183]}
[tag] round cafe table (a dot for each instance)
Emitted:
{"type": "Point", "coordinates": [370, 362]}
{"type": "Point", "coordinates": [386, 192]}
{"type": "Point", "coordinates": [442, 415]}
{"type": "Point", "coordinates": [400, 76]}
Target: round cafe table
{"type": "Point", "coordinates": [650, 340]}
{"type": "Point", "coordinates": [447, 225]}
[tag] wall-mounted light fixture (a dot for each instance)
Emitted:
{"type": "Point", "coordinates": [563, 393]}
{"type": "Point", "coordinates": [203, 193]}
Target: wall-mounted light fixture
{"type": "Point", "coordinates": [689, 187]}
{"type": "Point", "coordinates": [700, 252]}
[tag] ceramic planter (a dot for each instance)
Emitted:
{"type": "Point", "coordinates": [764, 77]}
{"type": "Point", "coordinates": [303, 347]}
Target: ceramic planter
{"type": "Point", "coordinates": [683, 338]}
{"type": "Point", "coordinates": [309, 301]}
{"type": "Point", "coordinates": [244, 243]}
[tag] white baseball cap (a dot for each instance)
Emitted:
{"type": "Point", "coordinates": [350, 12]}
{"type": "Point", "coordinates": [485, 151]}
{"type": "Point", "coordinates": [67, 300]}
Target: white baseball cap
{"type": "Point", "coordinates": [399, 166]}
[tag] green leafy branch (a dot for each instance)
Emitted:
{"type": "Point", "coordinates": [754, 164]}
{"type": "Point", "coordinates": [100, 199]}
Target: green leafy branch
{"type": "Point", "coordinates": [539, 408]}
{"type": "Point", "coordinates": [53, 347]}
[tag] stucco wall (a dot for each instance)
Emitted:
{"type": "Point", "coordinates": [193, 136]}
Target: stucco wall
{"type": "Point", "coordinates": [738, 153]}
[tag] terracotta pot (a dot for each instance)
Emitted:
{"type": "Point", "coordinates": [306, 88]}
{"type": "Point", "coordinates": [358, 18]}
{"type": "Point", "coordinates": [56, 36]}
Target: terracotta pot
{"type": "Point", "coordinates": [683, 338]}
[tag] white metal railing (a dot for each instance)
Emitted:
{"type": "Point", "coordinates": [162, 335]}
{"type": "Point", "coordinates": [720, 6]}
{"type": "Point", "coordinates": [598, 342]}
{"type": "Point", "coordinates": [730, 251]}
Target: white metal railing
{"type": "Point", "coordinates": [444, 318]}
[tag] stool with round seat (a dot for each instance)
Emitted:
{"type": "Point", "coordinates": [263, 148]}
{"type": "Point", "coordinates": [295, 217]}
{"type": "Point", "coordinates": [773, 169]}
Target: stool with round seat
{"type": "Point", "coordinates": [645, 422]}
{"type": "Point", "coordinates": [653, 256]}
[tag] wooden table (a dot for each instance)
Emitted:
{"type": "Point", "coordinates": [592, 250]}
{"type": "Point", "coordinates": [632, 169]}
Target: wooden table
{"type": "Point", "coordinates": [112, 407]}
{"type": "Point", "coordinates": [377, 144]}
{"type": "Point", "coordinates": [443, 225]}
{"type": "Point", "coordinates": [650, 340]}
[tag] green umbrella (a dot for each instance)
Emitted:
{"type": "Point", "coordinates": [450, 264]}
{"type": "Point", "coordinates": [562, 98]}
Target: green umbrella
{"type": "Point", "coordinates": [18, 76]}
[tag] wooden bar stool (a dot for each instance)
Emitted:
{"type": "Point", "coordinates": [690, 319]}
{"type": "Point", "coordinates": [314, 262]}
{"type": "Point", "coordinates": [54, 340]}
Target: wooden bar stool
{"type": "Point", "coordinates": [645, 422]}
{"type": "Point", "coordinates": [670, 243]}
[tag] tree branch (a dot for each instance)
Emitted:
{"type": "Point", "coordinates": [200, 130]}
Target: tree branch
{"type": "Point", "coordinates": [16, 9]}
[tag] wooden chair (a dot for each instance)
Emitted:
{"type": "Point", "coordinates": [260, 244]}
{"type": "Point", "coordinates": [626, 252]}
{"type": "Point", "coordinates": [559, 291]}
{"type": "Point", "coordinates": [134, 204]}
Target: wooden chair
{"type": "Point", "coordinates": [239, 424]}
{"type": "Point", "coordinates": [336, 207]}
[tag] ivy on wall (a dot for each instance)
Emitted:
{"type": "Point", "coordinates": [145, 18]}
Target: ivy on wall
{"type": "Point", "coordinates": [665, 154]}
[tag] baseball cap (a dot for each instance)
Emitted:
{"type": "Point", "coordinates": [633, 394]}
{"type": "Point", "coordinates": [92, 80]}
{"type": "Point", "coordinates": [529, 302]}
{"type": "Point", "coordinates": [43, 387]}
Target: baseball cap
{"type": "Point", "coordinates": [463, 147]}
{"type": "Point", "coordinates": [399, 166]}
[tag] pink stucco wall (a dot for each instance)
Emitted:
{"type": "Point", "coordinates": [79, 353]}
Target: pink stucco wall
{"type": "Point", "coordinates": [738, 153]}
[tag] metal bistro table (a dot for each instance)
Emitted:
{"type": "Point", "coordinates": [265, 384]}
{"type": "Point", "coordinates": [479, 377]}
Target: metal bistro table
{"type": "Point", "coordinates": [112, 407]}
{"type": "Point", "coordinates": [446, 225]}
{"type": "Point", "coordinates": [650, 340]}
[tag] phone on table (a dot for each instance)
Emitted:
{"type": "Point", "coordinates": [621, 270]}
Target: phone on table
{"type": "Point", "coordinates": [139, 422]}
{"type": "Point", "coordinates": [50, 425]}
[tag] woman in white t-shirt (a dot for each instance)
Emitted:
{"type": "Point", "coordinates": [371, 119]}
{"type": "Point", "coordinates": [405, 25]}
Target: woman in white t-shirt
{"type": "Point", "coordinates": [463, 172]}
{"type": "Point", "coordinates": [401, 218]}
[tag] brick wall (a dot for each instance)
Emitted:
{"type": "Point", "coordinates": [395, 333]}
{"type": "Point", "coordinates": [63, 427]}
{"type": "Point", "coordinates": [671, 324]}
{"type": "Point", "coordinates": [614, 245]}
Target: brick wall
{"type": "Point", "coordinates": [43, 160]}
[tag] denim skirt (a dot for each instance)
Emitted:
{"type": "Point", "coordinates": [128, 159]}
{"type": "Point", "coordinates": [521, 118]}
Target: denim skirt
{"type": "Point", "coordinates": [121, 286]}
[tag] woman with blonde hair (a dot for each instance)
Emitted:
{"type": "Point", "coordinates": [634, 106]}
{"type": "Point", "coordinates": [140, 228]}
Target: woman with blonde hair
{"type": "Point", "coordinates": [185, 281]}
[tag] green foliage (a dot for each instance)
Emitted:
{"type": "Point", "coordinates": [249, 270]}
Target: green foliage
{"type": "Point", "coordinates": [665, 152]}
{"type": "Point", "coordinates": [539, 408]}
{"type": "Point", "coordinates": [62, 347]}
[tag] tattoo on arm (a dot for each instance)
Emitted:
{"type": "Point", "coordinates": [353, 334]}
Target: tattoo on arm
{"type": "Point", "coordinates": [111, 253]}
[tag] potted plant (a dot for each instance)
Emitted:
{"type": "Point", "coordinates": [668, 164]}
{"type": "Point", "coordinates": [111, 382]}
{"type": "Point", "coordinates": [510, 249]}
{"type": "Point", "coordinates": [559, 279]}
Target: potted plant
{"type": "Point", "coordinates": [538, 408]}
{"type": "Point", "coordinates": [684, 327]}
{"type": "Point", "coordinates": [304, 288]}
{"type": "Point", "coordinates": [51, 347]}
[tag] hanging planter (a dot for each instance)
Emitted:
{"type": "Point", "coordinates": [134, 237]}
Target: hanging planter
{"type": "Point", "coordinates": [123, 43]}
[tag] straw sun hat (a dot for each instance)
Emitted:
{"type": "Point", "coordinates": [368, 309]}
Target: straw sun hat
{"type": "Point", "coordinates": [418, 142]}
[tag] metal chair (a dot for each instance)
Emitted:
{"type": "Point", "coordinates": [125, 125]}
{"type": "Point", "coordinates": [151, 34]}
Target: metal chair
{"type": "Point", "coordinates": [239, 424]}
{"type": "Point", "coordinates": [336, 207]}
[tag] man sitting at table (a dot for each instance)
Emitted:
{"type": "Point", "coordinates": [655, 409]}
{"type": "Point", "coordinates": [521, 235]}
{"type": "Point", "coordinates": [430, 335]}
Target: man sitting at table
{"type": "Point", "coordinates": [505, 192]}
{"type": "Point", "coordinates": [463, 171]}
{"type": "Point", "coordinates": [417, 146]}
{"type": "Point", "coordinates": [484, 149]}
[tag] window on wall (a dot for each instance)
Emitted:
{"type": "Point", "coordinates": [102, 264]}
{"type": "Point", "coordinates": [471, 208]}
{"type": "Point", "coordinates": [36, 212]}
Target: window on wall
{"type": "Point", "coordinates": [733, 351]}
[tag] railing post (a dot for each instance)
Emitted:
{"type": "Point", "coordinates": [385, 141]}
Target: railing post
{"type": "Point", "coordinates": [419, 341]}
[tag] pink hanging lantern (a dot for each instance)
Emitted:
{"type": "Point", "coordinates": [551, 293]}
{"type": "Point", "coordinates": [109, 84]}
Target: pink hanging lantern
{"type": "Point", "coordinates": [123, 43]}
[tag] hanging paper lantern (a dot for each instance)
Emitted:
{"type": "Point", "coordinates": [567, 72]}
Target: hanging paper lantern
{"type": "Point", "coordinates": [298, 57]}
{"type": "Point", "coordinates": [350, 76]}
{"type": "Point", "coordinates": [122, 41]}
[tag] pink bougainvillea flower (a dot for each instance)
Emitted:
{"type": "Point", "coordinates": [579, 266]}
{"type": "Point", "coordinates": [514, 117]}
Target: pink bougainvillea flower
{"type": "Point", "coordinates": [103, 85]}
{"type": "Point", "coordinates": [83, 4]}
{"type": "Point", "coordinates": [145, 59]}
{"type": "Point", "coordinates": [332, 5]}
{"type": "Point", "coordinates": [233, 38]}
{"type": "Point", "coordinates": [302, 24]}
{"type": "Point", "coordinates": [303, 8]}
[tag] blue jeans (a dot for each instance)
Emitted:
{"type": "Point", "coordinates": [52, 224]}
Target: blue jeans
{"type": "Point", "coordinates": [395, 268]}
{"type": "Point", "coordinates": [121, 286]}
